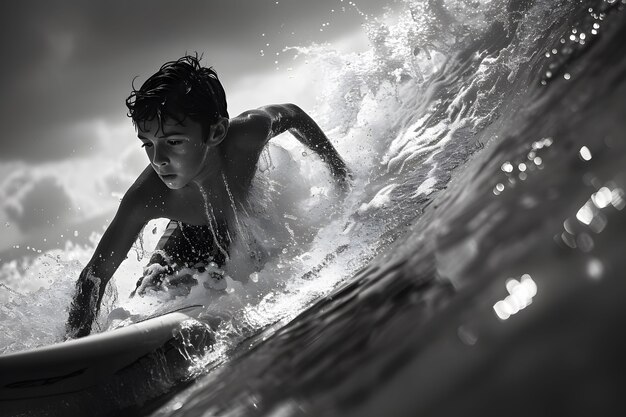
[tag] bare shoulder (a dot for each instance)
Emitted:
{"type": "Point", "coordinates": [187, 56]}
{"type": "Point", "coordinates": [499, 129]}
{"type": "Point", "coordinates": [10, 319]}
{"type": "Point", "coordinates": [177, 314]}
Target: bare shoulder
{"type": "Point", "coordinates": [254, 127]}
{"type": "Point", "coordinates": [251, 122]}
{"type": "Point", "coordinates": [266, 115]}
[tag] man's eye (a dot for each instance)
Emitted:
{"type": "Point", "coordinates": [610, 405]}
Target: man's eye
{"type": "Point", "coordinates": [146, 145]}
{"type": "Point", "coordinates": [175, 142]}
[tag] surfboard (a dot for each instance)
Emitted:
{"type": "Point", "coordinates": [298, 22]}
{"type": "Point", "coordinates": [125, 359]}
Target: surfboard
{"type": "Point", "coordinates": [100, 361]}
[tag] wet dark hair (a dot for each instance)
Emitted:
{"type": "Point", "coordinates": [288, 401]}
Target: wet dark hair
{"type": "Point", "coordinates": [179, 89]}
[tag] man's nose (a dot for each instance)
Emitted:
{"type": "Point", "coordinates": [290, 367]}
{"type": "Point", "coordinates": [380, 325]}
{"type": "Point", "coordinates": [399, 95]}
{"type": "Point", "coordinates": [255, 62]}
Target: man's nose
{"type": "Point", "coordinates": [160, 157]}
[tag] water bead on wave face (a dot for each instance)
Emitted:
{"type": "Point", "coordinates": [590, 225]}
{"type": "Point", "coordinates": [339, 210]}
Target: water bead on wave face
{"type": "Point", "coordinates": [576, 41]}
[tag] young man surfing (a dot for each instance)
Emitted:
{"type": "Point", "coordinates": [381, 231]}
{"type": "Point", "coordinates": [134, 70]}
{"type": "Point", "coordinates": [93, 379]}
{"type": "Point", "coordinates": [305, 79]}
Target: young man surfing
{"type": "Point", "coordinates": [201, 168]}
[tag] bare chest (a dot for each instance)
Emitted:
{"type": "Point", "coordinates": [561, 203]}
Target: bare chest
{"type": "Point", "coordinates": [197, 209]}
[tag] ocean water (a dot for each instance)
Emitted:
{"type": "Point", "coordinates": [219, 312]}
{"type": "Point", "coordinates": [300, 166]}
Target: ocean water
{"type": "Point", "coordinates": [474, 267]}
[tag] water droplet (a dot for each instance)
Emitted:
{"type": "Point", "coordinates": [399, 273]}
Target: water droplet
{"type": "Point", "coordinates": [7, 224]}
{"type": "Point", "coordinates": [602, 197]}
{"type": "Point", "coordinates": [75, 233]}
{"type": "Point", "coordinates": [304, 154]}
{"type": "Point", "coordinates": [507, 167]}
{"type": "Point", "coordinates": [585, 153]}
{"type": "Point", "coordinates": [154, 231]}
{"type": "Point", "coordinates": [567, 76]}
{"type": "Point", "coordinates": [595, 268]}
{"type": "Point", "coordinates": [617, 199]}
{"type": "Point", "coordinates": [585, 215]}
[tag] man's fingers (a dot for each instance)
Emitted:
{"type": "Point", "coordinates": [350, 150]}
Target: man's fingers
{"type": "Point", "coordinates": [153, 281]}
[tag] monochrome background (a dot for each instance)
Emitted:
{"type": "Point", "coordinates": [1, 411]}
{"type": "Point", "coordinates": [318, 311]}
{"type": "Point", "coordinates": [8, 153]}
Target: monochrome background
{"type": "Point", "coordinates": [68, 151]}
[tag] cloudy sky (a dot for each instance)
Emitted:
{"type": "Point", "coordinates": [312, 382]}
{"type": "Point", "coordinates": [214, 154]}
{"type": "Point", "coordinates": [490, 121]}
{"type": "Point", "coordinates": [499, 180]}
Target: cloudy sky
{"type": "Point", "coordinates": [68, 150]}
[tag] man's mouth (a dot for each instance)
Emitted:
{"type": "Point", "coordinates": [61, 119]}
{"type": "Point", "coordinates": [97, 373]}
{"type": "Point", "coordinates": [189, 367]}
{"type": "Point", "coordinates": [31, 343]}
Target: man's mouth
{"type": "Point", "coordinates": [167, 176]}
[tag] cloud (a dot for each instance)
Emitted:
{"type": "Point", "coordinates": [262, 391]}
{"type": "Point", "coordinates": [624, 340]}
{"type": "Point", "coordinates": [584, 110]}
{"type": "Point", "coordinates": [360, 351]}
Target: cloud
{"type": "Point", "coordinates": [31, 204]}
{"type": "Point", "coordinates": [64, 63]}
{"type": "Point", "coordinates": [52, 142]}
{"type": "Point", "coordinates": [36, 196]}
{"type": "Point", "coordinates": [122, 173]}
{"type": "Point", "coordinates": [44, 200]}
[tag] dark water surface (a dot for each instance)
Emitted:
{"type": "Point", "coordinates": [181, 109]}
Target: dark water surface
{"type": "Point", "coordinates": [502, 292]}
{"type": "Point", "coordinates": [476, 267]}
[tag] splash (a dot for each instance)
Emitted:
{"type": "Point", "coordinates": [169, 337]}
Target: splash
{"type": "Point", "coordinates": [404, 115]}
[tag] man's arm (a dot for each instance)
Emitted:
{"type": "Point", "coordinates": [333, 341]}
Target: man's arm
{"type": "Point", "coordinates": [109, 254]}
{"type": "Point", "coordinates": [278, 118]}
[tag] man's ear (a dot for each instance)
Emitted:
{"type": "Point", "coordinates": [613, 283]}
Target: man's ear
{"type": "Point", "coordinates": [218, 131]}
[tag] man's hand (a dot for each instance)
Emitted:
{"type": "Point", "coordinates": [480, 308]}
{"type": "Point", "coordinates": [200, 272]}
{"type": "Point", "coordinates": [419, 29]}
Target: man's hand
{"type": "Point", "coordinates": [158, 277]}
{"type": "Point", "coordinates": [79, 323]}
{"type": "Point", "coordinates": [153, 277]}
{"type": "Point", "coordinates": [341, 173]}
{"type": "Point", "coordinates": [109, 254]}
{"type": "Point", "coordinates": [84, 306]}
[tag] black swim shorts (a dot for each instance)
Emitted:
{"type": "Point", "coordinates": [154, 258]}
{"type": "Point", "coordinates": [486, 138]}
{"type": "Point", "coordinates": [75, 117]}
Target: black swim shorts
{"type": "Point", "coordinates": [185, 245]}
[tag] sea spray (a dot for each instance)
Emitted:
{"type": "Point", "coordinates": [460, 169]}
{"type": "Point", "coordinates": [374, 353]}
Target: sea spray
{"type": "Point", "coordinates": [376, 100]}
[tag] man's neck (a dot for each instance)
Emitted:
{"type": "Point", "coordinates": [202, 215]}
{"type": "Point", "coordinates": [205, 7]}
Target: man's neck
{"type": "Point", "coordinates": [217, 191]}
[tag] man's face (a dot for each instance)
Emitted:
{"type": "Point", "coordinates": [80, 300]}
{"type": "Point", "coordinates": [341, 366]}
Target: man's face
{"type": "Point", "coordinates": [177, 152]}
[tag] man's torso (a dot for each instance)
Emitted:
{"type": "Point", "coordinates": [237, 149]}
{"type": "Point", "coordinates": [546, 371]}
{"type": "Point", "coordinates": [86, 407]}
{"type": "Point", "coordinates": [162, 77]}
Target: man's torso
{"type": "Point", "coordinates": [191, 205]}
